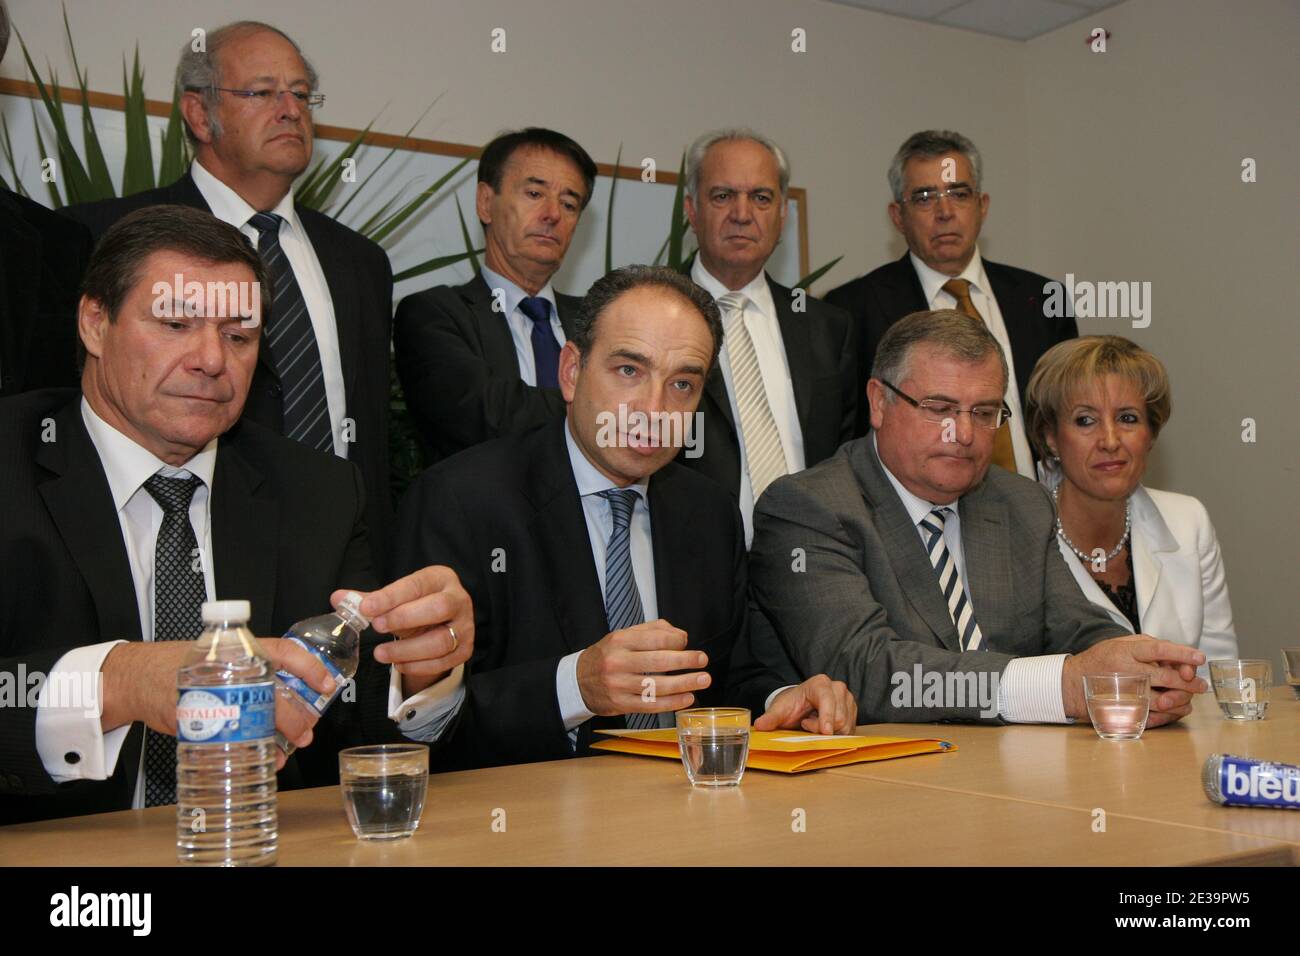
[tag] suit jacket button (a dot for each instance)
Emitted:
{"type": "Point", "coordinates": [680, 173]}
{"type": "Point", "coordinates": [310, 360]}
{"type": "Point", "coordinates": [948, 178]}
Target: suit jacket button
{"type": "Point", "coordinates": [275, 389]}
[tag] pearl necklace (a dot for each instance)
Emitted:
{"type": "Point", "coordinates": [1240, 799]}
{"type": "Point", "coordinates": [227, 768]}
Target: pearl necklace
{"type": "Point", "coordinates": [1088, 559]}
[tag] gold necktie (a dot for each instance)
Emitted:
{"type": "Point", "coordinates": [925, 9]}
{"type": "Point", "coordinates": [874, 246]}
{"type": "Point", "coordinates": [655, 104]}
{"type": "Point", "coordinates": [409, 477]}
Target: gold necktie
{"type": "Point", "coordinates": [1004, 454]}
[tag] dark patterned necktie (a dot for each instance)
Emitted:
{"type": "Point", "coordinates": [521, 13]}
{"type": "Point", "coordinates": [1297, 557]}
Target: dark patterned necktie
{"type": "Point", "coordinates": [292, 342]}
{"type": "Point", "coordinates": [622, 597]}
{"type": "Point", "coordinates": [178, 595]}
{"type": "Point", "coordinates": [546, 351]}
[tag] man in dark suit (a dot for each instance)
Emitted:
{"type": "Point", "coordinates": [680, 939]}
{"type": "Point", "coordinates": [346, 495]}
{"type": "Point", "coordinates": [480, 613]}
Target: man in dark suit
{"type": "Point", "coordinates": [932, 584]}
{"type": "Point", "coordinates": [784, 393]}
{"type": "Point", "coordinates": [138, 497]}
{"type": "Point", "coordinates": [478, 361]}
{"type": "Point", "coordinates": [600, 569]}
{"type": "Point", "coordinates": [939, 209]}
{"type": "Point", "coordinates": [42, 257]}
{"type": "Point", "coordinates": [323, 377]}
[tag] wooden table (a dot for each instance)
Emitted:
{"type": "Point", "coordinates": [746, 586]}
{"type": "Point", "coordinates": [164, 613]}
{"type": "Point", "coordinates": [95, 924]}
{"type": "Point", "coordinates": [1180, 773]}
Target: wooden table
{"type": "Point", "coordinates": [1009, 796]}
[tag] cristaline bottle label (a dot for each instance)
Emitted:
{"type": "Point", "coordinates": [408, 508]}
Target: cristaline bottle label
{"type": "Point", "coordinates": [232, 714]}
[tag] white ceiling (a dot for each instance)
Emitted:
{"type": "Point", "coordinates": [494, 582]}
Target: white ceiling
{"type": "Point", "coordinates": [1013, 19]}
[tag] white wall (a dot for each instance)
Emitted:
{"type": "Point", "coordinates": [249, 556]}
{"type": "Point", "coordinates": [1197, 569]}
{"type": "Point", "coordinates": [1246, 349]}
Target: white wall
{"type": "Point", "coordinates": [1123, 165]}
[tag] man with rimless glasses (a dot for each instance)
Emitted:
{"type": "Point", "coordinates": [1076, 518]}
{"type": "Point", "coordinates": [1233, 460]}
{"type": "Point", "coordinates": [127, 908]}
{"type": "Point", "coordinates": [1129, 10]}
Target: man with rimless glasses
{"type": "Point", "coordinates": [920, 567]}
{"type": "Point", "coordinates": [247, 95]}
{"type": "Point", "coordinates": [939, 207]}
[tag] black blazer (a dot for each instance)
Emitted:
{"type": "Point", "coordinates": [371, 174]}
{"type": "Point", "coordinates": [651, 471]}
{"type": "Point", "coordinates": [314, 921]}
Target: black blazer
{"type": "Point", "coordinates": [820, 349]}
{"type": "Point", "coordinates": [360, 282]}
{"type": "Point", "coordinates": [507, 516]}
{"type": "Point", "coordinates": [459, 371]}
{"type": "Point", "coordinates": [880, 298]}
{"type": "Point", "coordinates": [287, 529]}
{"type": "Point", "coordinates": [42, 259]}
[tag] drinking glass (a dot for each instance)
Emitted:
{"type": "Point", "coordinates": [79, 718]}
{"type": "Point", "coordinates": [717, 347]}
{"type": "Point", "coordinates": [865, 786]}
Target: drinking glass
{"type": "Point", "coordinates": [1241, 688]}
{"type": "Point", "coordinates": [1291, 667]}
{"type": "Point", "coordinates": [1118, 704]}
{"type": "Point", "coordinates": [383, 789]}
{"type": "Point", "coordinates": [714, 742]}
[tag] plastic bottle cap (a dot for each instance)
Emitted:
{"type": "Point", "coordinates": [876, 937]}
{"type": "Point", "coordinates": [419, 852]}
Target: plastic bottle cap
{"type": "Point", "coordinates": [351, 603]}
{"type": "Point", "coordinates": [219, 612]}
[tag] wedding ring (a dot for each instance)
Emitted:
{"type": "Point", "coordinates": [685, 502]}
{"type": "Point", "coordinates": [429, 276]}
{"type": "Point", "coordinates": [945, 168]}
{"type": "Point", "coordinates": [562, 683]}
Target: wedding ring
{"type": "Point", "coordinates": [455, 642]}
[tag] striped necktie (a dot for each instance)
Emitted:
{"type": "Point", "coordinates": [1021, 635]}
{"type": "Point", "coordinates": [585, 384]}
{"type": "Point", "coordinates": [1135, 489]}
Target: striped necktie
{"type": "Point", "coordinates": [1004, 453]}
{"type": "Point", "coordinates": [622, 598]}
{"type": "Point", "coordinates": [178, 594]}
{"type": "Point", "coordinates": [959, 606]}
{"type": "Point", "coordinates": [292, 342]}
{"type": "Point", "coordinates": [764, 456]}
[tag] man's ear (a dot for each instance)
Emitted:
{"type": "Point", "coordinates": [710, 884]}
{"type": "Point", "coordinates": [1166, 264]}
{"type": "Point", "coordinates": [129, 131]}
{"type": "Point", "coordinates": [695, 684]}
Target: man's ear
{"type": "Point", "coordinates": [896, 216]}
{"type": "Point", "coordinates": [876, 401]}
{"type": "Point", "coordinates": [570, 360]}
{"type": "Point", "coordinates": [195, 113]}
{"type": "Point", "coordinates": [689, 205]}
{"type": "Point", "coordinates": [92, 319]}
{"type": "Point", "coordinates": [483, 196]}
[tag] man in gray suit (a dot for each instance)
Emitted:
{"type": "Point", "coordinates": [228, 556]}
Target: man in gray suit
{"type": "Point", "coordinates": [930, 584]}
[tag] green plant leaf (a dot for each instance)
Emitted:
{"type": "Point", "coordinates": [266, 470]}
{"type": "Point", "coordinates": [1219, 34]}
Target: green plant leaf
{"type": "Point", "coordinates": [816, 274]}
{"type": "Point", "coordinates": [469, 244]}
{"type": "Point", "coordinates": [101, 181]}
{"type": "Point", "coordinates": [174, 147]}
{"type": "Point", "coordinates": [8, 146]}
{"type": "Point", "coordinates": [677, 229]}
{"type": "Point", "coordinates": [325, 177]}
{"type": "Point", "coordinates": [384, 229]}
{"type": "Point", "coordinates": [432, 265]}
{"type": "Point", "coordinates": [390, 154]}
{"type": "Point", "coordinates": [609, 215]}
{"type": "Point", "coordinates": [137, 168]}
{"type": "Point", "coordinates": [76, 182]}
{"type": "Point", "coordinates": [56, 201]}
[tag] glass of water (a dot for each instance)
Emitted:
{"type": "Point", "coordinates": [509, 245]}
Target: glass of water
{"type": "Point", "coordinates": [1241, 688]}
{"type": "Point", "coordinates": [383, 789]}
{"type": "Point", "coordinates": [1291, 664]}
{"type": "Point", "coordinates": [1118, 704]}
{"type": "Point", "coordinates": [714, 742]}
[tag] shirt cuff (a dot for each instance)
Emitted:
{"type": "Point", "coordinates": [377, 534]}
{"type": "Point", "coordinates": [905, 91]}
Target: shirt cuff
{"type": "Point", "coordinates": [573, 709]}
{"type": "Point", "coordinates": [767, 704]}
{"type": "Point", "coordinates": [1030, 691]}
{"type": "Point", "coordinates": [424, 716]}
{"type": "Point", "coordinates": [69, 739]}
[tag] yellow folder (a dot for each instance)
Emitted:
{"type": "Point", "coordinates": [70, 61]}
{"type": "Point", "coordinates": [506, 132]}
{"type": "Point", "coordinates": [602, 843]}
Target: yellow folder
{"type": "Point", "coordinates": [785, 751]}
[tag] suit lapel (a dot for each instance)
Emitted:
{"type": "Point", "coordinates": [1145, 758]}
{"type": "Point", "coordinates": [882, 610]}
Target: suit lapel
{"type": "Point", "coordinates": [1151, 540]}
{"type": "Point", "coordinates": [566, 308]}
{"type": "Point", "coordinates": [677, 557]}
{"type": "Point", "coordinates": [914, 572]}
{"type": "Point", "coordinates": [798, 352]}
{"type": "Point", "coordinates": [559, 529]}
{"type": "Point", "coordinates": [903, 290]}
{"type": "Point", "coordinates": [1021, 315]}
{"type": "Point", "coordinates": [81, 505]}
{"type": "Point", "coordinates": [245, 535]}
{"type": "Point", "coordinates": [494, 327]}
{"type": "Point", "coordinates": [986, 542]}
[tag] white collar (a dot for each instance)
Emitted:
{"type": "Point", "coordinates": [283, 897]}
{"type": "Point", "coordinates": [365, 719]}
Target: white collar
{"type": "Point", "coordinates": [590, 480]}
{"type": "Point", "coordinates": [128, 465]}
{"type": "Point", "coordinates": [757, 291]}
{"type": "Point", "coordinates": [932, 281]}
{"type": "Point", "coordinates": [228, 206]}
{"type": "Point", "coordinates": [514, 295]}
{"type": "Point", "coordinates": [917, 508]}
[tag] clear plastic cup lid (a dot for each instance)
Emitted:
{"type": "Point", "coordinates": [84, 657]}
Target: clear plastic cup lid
{"type": "Point", "coordinates": [219, 612]}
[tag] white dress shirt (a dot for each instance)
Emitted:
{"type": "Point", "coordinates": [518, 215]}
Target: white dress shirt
{"type": "Point", "coordinates": [769, 348]}
{"type": "Point", "coordinates": [1029, 691]}
{"type": "Point", "coordinates": [600, 526]}
{"type": "Point", "coordinates": [228, 206]}
{"type": "Point", "coordinates": [71, 731]}
{"type": "Point", "coordinates": [981, 295]}
{"type": "Point", "coordinates": [521, 326]}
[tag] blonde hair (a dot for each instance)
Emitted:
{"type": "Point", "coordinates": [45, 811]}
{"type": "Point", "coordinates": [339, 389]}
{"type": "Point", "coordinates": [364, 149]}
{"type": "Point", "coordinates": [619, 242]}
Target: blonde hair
{"type": "Point", "coordinates": [1075, 364]}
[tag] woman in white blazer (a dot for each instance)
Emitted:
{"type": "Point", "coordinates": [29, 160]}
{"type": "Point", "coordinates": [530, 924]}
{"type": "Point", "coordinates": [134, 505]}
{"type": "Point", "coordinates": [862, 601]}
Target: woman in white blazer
{"type": "Point", "coordinates": [1093, 408]}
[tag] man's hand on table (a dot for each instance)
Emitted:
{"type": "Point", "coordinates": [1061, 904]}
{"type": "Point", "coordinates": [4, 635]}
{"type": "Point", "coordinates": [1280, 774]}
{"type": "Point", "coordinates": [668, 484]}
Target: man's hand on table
{"type": "Point", "coordinates": [1172, 668]}
{"type": "Point", "coordinates": [819, 705]}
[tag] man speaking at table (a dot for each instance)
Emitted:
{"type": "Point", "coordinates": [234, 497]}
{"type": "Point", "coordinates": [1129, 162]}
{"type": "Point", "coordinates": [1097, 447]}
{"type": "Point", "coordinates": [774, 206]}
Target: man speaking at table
{"type": "Point", "coordinates": [608, 581]}
{"type": "Point", "coordinates": [132, 501]}
{"type": "Point", "coordinates": [915, 558]}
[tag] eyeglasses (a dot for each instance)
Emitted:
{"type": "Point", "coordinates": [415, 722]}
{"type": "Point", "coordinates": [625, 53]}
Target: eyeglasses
{"type": "Point", "coordinates": [929, 198]}
{"type": "Point", "coordinates": [940, 412]}
{"type": "Point", "coordinates": [264, 98]}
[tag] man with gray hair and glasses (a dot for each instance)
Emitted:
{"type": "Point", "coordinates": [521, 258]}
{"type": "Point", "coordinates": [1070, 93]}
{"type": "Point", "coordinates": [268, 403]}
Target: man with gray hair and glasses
{"type": "Point", "coordinates": [938, 207]}
{"type": "Point", "coordinates": [783, 394]}
{"type": "Point", "coordinates": [322, 377]}
{"type": "Point", "coordinates": [928, 582]}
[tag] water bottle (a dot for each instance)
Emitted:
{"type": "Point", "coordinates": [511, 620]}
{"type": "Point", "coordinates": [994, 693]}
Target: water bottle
{"type": "Point", "coordinates": [225, 745]}
{"type": "Point", "coordinates": [335, 640]}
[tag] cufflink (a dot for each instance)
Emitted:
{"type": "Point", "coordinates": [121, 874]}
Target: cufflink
{"type": "Point", "coordinates": [72, 757]}
{"type": "Point", "coordinates": [410, 715]}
